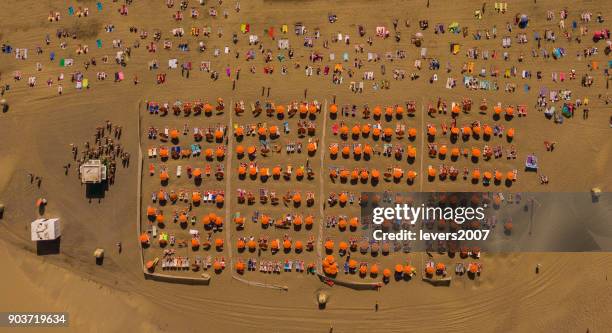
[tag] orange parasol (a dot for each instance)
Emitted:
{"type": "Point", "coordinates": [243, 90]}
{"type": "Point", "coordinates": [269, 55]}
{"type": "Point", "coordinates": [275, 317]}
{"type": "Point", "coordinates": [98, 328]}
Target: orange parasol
{"type": "Point", "coordinates": [309, 220]}
{"type": "Point", "coordinates": [218, 242]}
{"type": "Point", "coordinates": [280, 109]}
{"type": "Point", "coordinates": [374, 270]}
{"type": "Point", "coordinates": [174, 134]}
{"type": "Point", "coordinates": [475, 152]}
{"type": "Point", "coordinates": [298, 245]}
{"type": "Point", "coordinates": [510, 133]}
{"type": "Point", "coordinates": [342, 224]}
{"type": "Point", "coordinates": [367, 149]}
{"type": "Point", "coordinates": [510, 175]}
{"type": "Point", "coordinates": [388, 132]}
{"type": "Point", "coordinates": [240, 267]}
{"type": "Point", "coordinates": [312, 147]}
{"type": "Point", "coordinates": [333, 109]}
{"type": "Point", "coordinates": [476, 174]}
{"type": "Point", "coordinates": [431, 131]}
{"type": "Point", "coordinates": [261, 131]}
{"type": "Point", "coordinates": [219, 134]}
{"type": "Point", "coordinates": [377, 111]}
{"type": "Point", "coordinates": [329, 245]}
{"type": "Point", "coordinates": [240, 149]}
{"type": "Point", "coordinates": [375, 173]}
{"type": "Point", "coordinates": [251, 150]}
{"type": "Point", "coordinates": [343, 246]}
{"type": "Point", "coordinates": [411, 175]}
{"type": "Point", "coordinates": [287, 244]}
{"type": "Point", "coordinates": [196, 197]}
{"type": "Point", "coordinates": [386, 273]}
{"type": "Point", "coordinates": [399, 268]}
{"type": "Point", "coordinates": [197, 173]}
{"type": "Point", "coordinates": [431, 171]}
{"type": "Point", "coordinates": [150, 211]}
{"type": "Point", "coordinates": [333, 150]}
{"type": "Point", "coordinates": [297, 198]}
{"type": "Point", "coordinates": [356, 130]}
{"type": "Point", "coordinates": [344, 130]}
{"type": "Point", "coordinates": [251, 244]}
{"type": "Point", "coordinates": [273, 130]}
{"type": "Point", "coordinates": [440, 266]}
{"type": "Point", "coordinates": [144, 238]}
{"type": "Point", "coordinates": [354, 222]}
{"type": "Point", "coordinates": [412, 132]}
{"type": "Point", "coordinates": [219, 199]}
{"type": "Point", "coordinates": [443, 150]}
{"type": "Point", "coordinates": [239, 131]}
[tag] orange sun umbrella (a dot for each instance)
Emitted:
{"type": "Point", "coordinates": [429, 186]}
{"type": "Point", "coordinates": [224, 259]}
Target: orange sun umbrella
{"type": "Point", "coordinates": [429, 270]}
{"type": "Point", "coordinates": [412, 152]}
{"type": "Point", "coordinates": [354, 222]}
{"type": "Point", "coordinates": [251, 150]}
{"type": "Point", "coordinates": [240, 149]}
{"type": "Point", "coordinates": [440, 266]}
{"type": "Point", "coordinates": [498, 175]}
{"type": "Point", "coordinates": [239, 131]}
{"type": "Point", "coordinates": [343, 198]}
{"type": "Point", "coordinates": [356, 130]}
{"type": "Point", "coordinates": [388, 132]}
{"type": "Point", "coordinates": [443, 150]}
{"type": "Point", "coordinates": [431, 131]}
{"type": "Point", "coordinates": [333, 150]}
{"type": "Point", "coordinates": [150, 211]}
{"type": "Point", "coordinates": [344, 130]}
{"type": "Point", "coordinates": [312, 147]}
{"type": "Point", "coordinates": [297, 198]}
{"type": "Point", "coordinates": [299, 245]}
{"type": "Point", "coordinates": [475, 152]}
{"type": "Point", "coordinates": [510, 133]}
{"type": "Point", "coordinates": [261, 131]}
{"type": "Point", "coordinates": [197, 172]}
{"type": "Point", "coordinates": [174, 134]}
{"type": "Point", "coordinates": [431, 171]}
{"type": "Point", "coordinates": [365, 129]}
{"type": "Point", "coordinates": [386, 273]}
{"type": "Point", "coordinates": [510, 175]}
{"type": "Point", "coordinates": [333, 109]}
{"type": "Point", "coordinates": [346, 151]}
{"type": "Point", "coordinates": [374, 270]}
{"type": "Point", "coordinates": [280, 109]}
{"type": "Point", "coordinates": [412, 132]}
{"type": "Point", "coordinates": [329, 245]}
{"type": "Point", "coordinates": [309, 220]}
{"type": "Point", "coordinates": [367, 150]}
{"type": "Point", "coordinates": [343, 246]}
{"type": "Point", "coordinates": [375, 174]}
{"type": "Point", "coordinates": [219, 134]}
{"type": "Point", "coordinates": [377, 111]}
{"type": "Point", "coordinates": [476, 174]}
{"type": "Point", "coordinates": [220, 152]}
{"type": "Point", "coordinates": [218, 242]}
{"type": "Point", "coordinates": [411, 175]}
{"type": "Point", "coordinates": [273, 130]}
{"type": "Point", "coordinates": [399, 268]}
{"type": "Point", "coordinates": [455, 152]}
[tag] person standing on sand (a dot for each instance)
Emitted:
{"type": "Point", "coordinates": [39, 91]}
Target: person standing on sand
{"type": "Point", "coordinates": [60, 89]}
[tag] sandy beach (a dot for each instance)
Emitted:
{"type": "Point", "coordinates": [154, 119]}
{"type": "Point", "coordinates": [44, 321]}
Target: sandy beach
{"type": "Point", "coordinates": [571, 293]}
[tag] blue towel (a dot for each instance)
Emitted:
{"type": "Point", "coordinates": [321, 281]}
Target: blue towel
{"type": "Point", "coordinates": [70, 10]}
{"type": "Point", "coordinates": [99, 5]}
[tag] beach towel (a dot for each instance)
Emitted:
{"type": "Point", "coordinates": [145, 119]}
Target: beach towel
{"type": "Point", "coordinates": [52, 56]}
{"type": "Point", "coordinates": [99, 43]}
{"type": "Point", "coordinates": [70, 11]}
{"type": "Point", "coordinates": [120, 76]}
{"type": "Point", "coordinates": [85, 83]}
{"type": "Point", "coordinates": [62, 62]}
{"type": "Point", "coordinates": [243, 28]}
{"type": "Point", "coordinates": [99, 5]}
{"type": "Point", "coordinates": [284, 28]}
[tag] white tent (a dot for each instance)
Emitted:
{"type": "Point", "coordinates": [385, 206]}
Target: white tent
{"type": "Point", "coordinates": [45, 229]}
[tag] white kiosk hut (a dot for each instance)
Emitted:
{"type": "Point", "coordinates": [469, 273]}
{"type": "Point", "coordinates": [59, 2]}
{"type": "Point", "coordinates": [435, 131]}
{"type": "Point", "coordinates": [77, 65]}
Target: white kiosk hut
{"type": "Point", "coordinates": [93, 172]}
{"type": "Point", "coordinates": [45, 229]}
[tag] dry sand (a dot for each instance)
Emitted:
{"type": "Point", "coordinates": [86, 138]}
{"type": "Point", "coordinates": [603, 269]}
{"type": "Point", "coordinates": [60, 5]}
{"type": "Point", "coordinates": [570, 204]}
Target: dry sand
{"type": "Point", "coordinates": [571, 293]}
